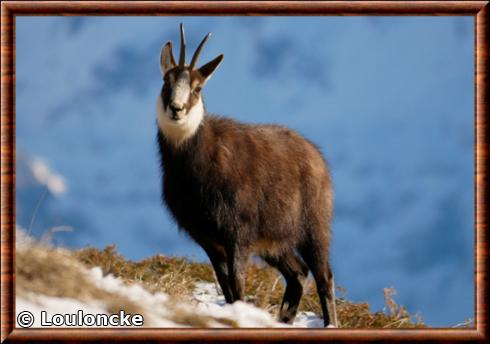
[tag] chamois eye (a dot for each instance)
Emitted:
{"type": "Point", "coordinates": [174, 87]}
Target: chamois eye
{"type": "Point", "coordinates": [197, 89]}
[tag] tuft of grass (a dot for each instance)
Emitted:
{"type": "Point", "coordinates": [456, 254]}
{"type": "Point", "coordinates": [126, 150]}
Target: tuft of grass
{"type": "Point", "coordinates": [264, 287]}
{"type": "Point", "coordinates": [358, 315]}
{"type": "Point", "coordinates": [267, 289]}
{"type": "Point", "coordinates": [175, 276]}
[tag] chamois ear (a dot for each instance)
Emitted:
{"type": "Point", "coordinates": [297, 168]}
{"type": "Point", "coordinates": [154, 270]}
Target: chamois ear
{"type": "Point", "coordinates": [167, 61]}
{"type": "Point", "coordinates": [208, 69]}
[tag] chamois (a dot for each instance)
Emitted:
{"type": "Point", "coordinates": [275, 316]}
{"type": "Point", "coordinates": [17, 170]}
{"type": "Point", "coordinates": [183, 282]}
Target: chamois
{"type": "Point", "coordinates": [239, 189]}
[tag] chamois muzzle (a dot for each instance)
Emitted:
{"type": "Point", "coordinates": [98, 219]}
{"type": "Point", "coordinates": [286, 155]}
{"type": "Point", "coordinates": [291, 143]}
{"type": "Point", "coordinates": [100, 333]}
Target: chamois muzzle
{"type": "Point", "coordinates": [175, 110]}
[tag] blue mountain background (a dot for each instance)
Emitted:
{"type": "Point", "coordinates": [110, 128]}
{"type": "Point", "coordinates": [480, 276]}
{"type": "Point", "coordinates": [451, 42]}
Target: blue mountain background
{"type": "Point", "coordinates": [389, 100]}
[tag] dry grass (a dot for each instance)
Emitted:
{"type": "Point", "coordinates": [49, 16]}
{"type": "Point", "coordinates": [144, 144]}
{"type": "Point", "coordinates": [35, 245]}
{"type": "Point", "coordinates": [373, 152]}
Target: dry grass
{"type": "Point", "coordinates": [56, 273]}
{"type": "Point", "coordinates": [173, 275]}
{"type": "Point", "coordinates": [267, 288]}
{"type": "Point", "coordinates": [177, 276]}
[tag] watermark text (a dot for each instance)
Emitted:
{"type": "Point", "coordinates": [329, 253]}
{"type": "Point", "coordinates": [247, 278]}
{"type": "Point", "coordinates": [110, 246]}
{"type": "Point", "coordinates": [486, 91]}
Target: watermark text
{"type": "Point", "coordinates": [26, 319]}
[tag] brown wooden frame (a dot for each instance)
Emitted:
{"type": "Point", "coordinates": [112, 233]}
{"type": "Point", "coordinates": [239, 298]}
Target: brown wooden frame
{"type": "Point", "coordinates": [11, 9]}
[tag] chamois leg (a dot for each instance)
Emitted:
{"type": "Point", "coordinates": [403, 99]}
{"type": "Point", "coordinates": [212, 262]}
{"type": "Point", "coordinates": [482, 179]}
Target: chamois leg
{"type": "Point", "coordinates": [317, 262]}
{"type": "Point", "coordinates": [291, 267]}
{"type": "Point", "coordinates": [237, 261]}
{"type": "Point", "coordinates": [332, 309]}
{"type": "Point", "coordinates": [218, 260]}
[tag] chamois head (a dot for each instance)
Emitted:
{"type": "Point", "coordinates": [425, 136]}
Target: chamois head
{"type": "Point", "coordinates": [179, 107]}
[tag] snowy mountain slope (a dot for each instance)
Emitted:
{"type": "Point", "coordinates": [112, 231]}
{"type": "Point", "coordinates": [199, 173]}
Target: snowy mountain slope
{"type": "Point", "coordinates": [389, 102]}
{"type": "Point", "coordinates": [83, 293]}
{"type": "Point", "coordinates": [157, 309]}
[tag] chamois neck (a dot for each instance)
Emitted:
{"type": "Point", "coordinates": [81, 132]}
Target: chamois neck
{"type": "Point", "coordinates": [177, 133]}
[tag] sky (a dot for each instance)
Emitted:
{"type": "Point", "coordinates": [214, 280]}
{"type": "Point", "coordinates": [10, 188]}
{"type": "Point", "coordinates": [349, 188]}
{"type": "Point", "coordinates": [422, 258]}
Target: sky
{"type": "Point", "coordinates": [389, 101]}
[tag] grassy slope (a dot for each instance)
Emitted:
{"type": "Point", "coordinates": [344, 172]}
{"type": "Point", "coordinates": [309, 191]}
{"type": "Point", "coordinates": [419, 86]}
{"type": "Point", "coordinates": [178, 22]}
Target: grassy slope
{"type": "Point", "coordinates": [42, 270]}
{"type": "Point", "coordinates": [177, 277]}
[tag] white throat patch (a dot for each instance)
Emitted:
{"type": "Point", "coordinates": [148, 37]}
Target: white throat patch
{"type": "Point", "coordinates": [179, 131]}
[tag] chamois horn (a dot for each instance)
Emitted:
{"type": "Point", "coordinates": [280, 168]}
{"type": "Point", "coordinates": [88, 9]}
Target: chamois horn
{"type": "Point", "coordinates": [198, 51]}
{"type": "Point", "coordinates": [182, 46]}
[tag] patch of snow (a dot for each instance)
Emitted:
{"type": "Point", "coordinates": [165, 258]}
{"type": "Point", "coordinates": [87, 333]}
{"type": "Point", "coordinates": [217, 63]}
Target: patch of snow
{"type": "Point", "coordinates": [244, 314]}
{"type": "Point", "coordinates": [155, 305]}
{"type": "Point", "coordinates": [209, 298]}
{"type": "Point", "coordinates": [308, 319]}
{"type": "Point", "coordinates": [208, 293]}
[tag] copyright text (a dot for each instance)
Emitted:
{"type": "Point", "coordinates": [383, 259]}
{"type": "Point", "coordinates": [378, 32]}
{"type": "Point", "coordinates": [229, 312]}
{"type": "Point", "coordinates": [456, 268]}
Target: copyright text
{"type": "Point", "coordinates": [26, 319]}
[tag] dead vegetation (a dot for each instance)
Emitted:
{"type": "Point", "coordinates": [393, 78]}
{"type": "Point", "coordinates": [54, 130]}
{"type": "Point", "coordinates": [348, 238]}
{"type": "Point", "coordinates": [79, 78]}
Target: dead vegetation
{"type": "Point", "coordinates": [266, 288]}
{"type": "Point", "coordinates": [55, 272]}
{"type": "Point", "coordinates": [177, 276]}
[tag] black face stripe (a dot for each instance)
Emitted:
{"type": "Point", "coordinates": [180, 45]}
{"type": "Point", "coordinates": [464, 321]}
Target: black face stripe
{"type": "Point", "coordinates": [165, 95]}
